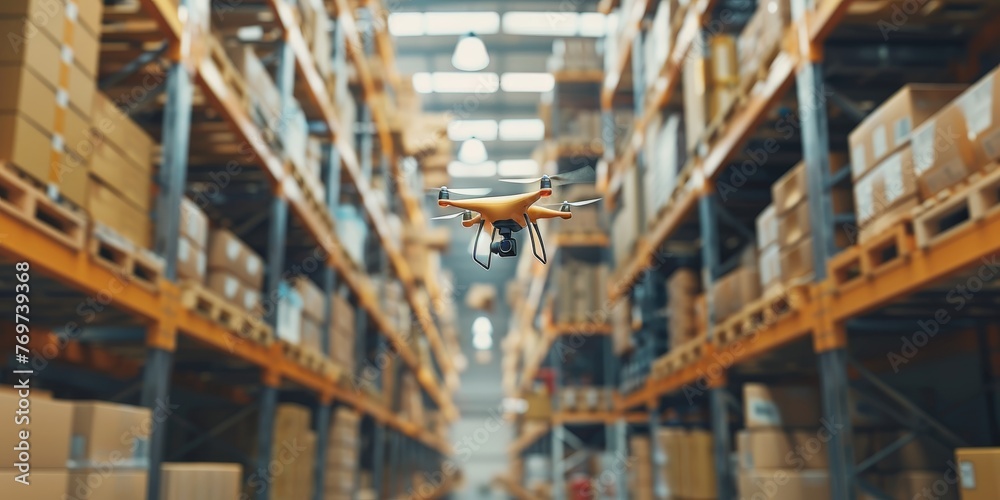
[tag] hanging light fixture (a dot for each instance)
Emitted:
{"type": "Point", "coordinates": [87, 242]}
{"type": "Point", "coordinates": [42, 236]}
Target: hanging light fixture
{"type": "Point", "coordinates": [472, 151]}
{"type": "Point", "coordinates": [470, 54]}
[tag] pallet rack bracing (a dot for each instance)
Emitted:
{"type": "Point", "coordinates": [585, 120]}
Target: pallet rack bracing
{"type": "Point", "coordinates": [836, 312]}
{"type": "Point", "coordinates": [154, 317]}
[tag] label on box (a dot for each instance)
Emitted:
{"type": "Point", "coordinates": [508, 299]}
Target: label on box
{"type": "Point", "coordinates": [946, 176]}
{"type": "Point", "coordinates": [72, 11]}
{"type": "Point", "coordinates": [183, 250]}
{"type": "Point", "coordinates": [968, 473]}
{"type": "Point", "coordinates": [67, 54]}
{"type": "Point", "coordinates": [880, 144]}
{"type": "Point", "coordinates": [977, 106]}
{"type": "Point", "coordinates": [766, 412]}
{"type": "Point", "coordinates": [253, 264]}
{"type": "Point", "coordinates": [62, 98]}
{"type": "Point", "coordinates": [232, 249]}
{"type": "Point", "coordinates": [923, 147]}
{"type": "Point", "coordinates": [230, 287]}
{"type": "Point", "coordinates": [857, 160]}
{"type": "Point", "coordinates": [202, 263]}
{"type": "Point", "coordinates": [901, 130]}
{"type": "Point", "coordinates": [250, 299]}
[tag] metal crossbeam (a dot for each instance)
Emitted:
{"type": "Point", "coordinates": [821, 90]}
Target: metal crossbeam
{"type": "Point", "coordinates": [213, 433]}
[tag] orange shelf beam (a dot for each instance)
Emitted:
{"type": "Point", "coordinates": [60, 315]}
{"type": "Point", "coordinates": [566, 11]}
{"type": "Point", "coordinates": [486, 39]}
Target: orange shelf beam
{"type": "Point", "coordinates": [164, 13]}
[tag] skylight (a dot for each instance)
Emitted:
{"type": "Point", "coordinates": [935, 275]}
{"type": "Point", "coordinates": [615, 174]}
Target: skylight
{"type": "Point", "coordinates": [484, 130]}
{"type": "Point", "coordinates": [406, 24]}
{"type": "Point", "coordinates": [540, 23]}
{"type": "Point", "coordinates": [484, 169]}
{"type": "Point", "coordinates": [518, 168]}
{"type": "Point", "coordinates": [454, 82]}
{"type": "Point", "coordinates": [443, 23]}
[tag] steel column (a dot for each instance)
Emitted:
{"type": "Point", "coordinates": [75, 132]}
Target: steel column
{"type": "Point", "coordinates": [323, 423]}
{"type": "Point", "coordinates": [172, 174]}
{"type": "Point", "coordinates": [621, 445]}
{"type": "Point", "coordinates": [265, 439]}
{"type": "Point", "coordinates": [378, 459]}
{"type": "Point", "coordinates": [656, 458]}
{"type": "Point", "coordinates": [558, 474]}
{"type": "Point", "coordinates": [284, 79]}
{"type": "Point", "coordinates": [332, 179]}
{"type": "Point", "coordinates": [710, 252]}
{"type": "Point", "coordinates": [277, 234]}
{"type": "Point", "coordinates": [156, 397]}
{"type": "Point", "coordinates": [396, 465]}
{"type": "Point", "coordinates": [836, 419]}
{"type": "Point", "coordinates": [722, 443]}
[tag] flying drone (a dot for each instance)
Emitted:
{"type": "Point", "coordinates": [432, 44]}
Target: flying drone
{"type": "Point", "coordinates": [509, 214]}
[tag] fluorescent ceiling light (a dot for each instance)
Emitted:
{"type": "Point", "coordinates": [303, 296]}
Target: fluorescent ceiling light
{"type": "Point", "coordinates": [461, 23]}
{"type": "Point", "coordinates": [540, 23]}
{"type": "Point", "coordinates": [527, 82]}
{"type": "Point", "coordinates": [470, 54]}
{"type": "Point", "coordinates": [460, 130]}
{"type": "Point", "coordinates": [517, 168]}
{"type": "Point", "coordinates": [250, 33]}
{"type": "Point", "coordinates": [484, 169]}
{"type": "Point", "coordinates": [593, 24]}
{"type": "Point", "coordinates": [482, 326]}
{"type": "Point", "coordinates": [472, 152]}
{"type": "Point", "coordinates": [423, 83]}
{"type": "Point", "coordinates": [406, 24]}
{"type": "Point", "coordinates": [530, 129]}
{"type": "Point", "coordinates": [482, 342]}
{"type": "Point", "coordinates": [456, 83]}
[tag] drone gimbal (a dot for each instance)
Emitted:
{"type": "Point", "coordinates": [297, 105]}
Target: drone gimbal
{"type": "Point", "coordinates": [507, 246]}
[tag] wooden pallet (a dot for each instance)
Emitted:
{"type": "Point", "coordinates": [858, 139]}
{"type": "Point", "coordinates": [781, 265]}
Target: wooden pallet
{"type": "Point", "coordinates": [195, 297]}
{"type": "Point", "coordinates": [869, 258]}
{"type": "Point", "coordinates": [230, 75]}
{"type": "Point", "coordinates": [681, 356]}
{"type": "Point", "coordinates": [937, 219]}
{"type": "Point", "coordinates": [305, 356]}
{"type": "Point", "coordinates": [776, 304]}
{"type": "Point", "coordinates": [313, 198]}
{"type": "Point", "coordinates": [22, 199]}
{"type": "Point", "coordinates": [119, 254]}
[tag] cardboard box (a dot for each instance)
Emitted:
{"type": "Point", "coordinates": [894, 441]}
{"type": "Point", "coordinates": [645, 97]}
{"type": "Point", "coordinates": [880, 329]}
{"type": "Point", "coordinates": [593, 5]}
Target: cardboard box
{"type": "Point", "coordinates": [780, 406]}
{"type": "Point", "coordinates": [109, 433]}
{"type": "Point", "coordinates": [114, 126]}
{"type": "Point", "coordinates": [311, 334]}
{"type": "Point", "coordinates": [886, 187]}
{"type": "Point", "coordinates": [201, 481]}
{"type": "Point", "coordinates": [942, 154]}
{"type": "Point", "coordinates": [695, 88]}
{"type": "Point", "coordinates": [790, 189]}
{"type": "Point", "coordinates": [190, 261]}
{"type": "Point", "coordinates": [770, 267]}
{"type": "Point", "coordinates": [233, 290]}
{"type": "Point", "coordinates": [49, 17]}
{"type": "Point", "coordinates": [46, 431]}
{"type": "Point", "coordinates": [981, 107]}
{"type": "Point", "coordinates": [889, 126]}
{"type": "Point", "coordinates": [26, 146]}
{"type": "Point", "coordinates": [43, 55]}
{"type": "Point", "coordinates": [132, 182]}
{"type": "Point", "coordinates": [780, 448]}
{"type": "Point", "coordinates": [722, 53]}
{"type": "Point", "coordinates": [194, 223]}
{"type": "Point", "coordinates": [44, 484]}
{"type": "Point", "coordinates": [767, 227]}
{"type": "Point", "coordinates": [226, 252]}
{"type": "Point", "coordinates": [979, 473]}
{"type": "Point", "coordinates": [105, 484]}
{"type": "Point", "coordinates": [797, 262]}
{"type": "Point", "coordinates": [794, 224]}
{"type": "Point", "coordinates": [700, 483]}
{"type": "Point", "coordinates": [313, 300]}
{"type": "Point", "coordinates": [784, 484]}
{"type": "Point", "coordinates": [108, 208]}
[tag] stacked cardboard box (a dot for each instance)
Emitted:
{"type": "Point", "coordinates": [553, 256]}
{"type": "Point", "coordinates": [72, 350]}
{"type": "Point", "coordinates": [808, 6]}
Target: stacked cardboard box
{"type": "Point", "coordinates": [578, 127]}
{"type": "Point", "coordinates": [47, 444]}
{"type": "Point", "coordinates": [342, 455]}
{"type": "Point", "coordinates": [580, 291]}
{"type": "Point", "coordinates": [235, 271]}
{"type": "Point", "coordinates": [914, 467]}
{"type": "Point", "coordinates": [575, 54]}
{"type": "Point", "coordinates": [263, 99]}
{"type": "Point", "coordinates": [585, 219]}
{"type": "Point", "coordinates": [625, 228]}
{"type": "Point", "coordinates": [352, 232]}
{"type": "Point", "coordinates": [659, 40]}
{"type": "Point", "coordinates": [342, 333]}
{"type": "Point", "coordinates": [48, 72]}
{"type": "Point", "coordinates": [585, 398]}
{"type": "Point", "coordinates": [665, 157]}
{"type": "Point", "coordinates": [682, 293]}
{"type": "Point", "coordinates": [709, 81]}
{"type": "Point", "coordinates": [201, 481]}
{"type": "Point", "coordinates": [313, 312]}
{"type": "Point", "coordinates": [624, 120]}
{"type": "Point", "coordinates": [761, 40]}
{"type": "Point", "coordinates": [790, 194]}
{"type": "Point", "coordinates": [882, 159]}
{"type": "Point", "coordinates": [316, 30]}
{"type": "Point", "coordinates": [769, 261]}
{"type": "Point", "coordinates": [782, 442]}
{"type": "Point", "coordinates": [294, 446]}
{"type": "Point", "coordinates": [191, 255]}
{"type": "Point", "coordinates": [738, 288]}
{"type": "Point", "coordinates": [621, 326]}
{"type": "Point", "coordinates": [641, 473]}
{"type": "Point", "coordinates": [979, 473]}
{"type": "Point", "coordinates": [108, 433]}
{"type": "Point", "coordinates": [539, 405]}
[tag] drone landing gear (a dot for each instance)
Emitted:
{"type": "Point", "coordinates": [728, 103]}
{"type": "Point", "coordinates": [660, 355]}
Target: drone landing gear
{"type": "Point", "coordinates": [507, 246]}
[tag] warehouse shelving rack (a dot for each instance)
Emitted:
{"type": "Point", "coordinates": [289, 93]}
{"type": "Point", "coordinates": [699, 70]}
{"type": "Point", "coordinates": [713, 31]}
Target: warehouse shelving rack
{"type": "Point", "coordinates": [151, 322]}
{"type": "Point", "coordinates": [831, 313]}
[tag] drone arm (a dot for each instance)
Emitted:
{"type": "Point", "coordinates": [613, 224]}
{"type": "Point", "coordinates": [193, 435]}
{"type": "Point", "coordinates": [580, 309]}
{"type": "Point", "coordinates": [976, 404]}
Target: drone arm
{"type": "Point", "coordinates": [473, 221]}
{"type": "Point", "coordinates": [539, 213]}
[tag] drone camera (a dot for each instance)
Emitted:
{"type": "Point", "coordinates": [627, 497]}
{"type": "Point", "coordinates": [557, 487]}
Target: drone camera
{"type": "Point", "coordinates": [506, 247]}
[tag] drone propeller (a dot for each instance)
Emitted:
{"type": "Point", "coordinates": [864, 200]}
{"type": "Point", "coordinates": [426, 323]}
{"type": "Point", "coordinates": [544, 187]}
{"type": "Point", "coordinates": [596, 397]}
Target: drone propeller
{"type": "Point", "coordinates": [574, 203]}
{"type": "Point", "coordinates": [467, 213]}
{"type": "Point", "coordinates": [462, 191]}
{"type": "Point", "coordinates": [580, 175]}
